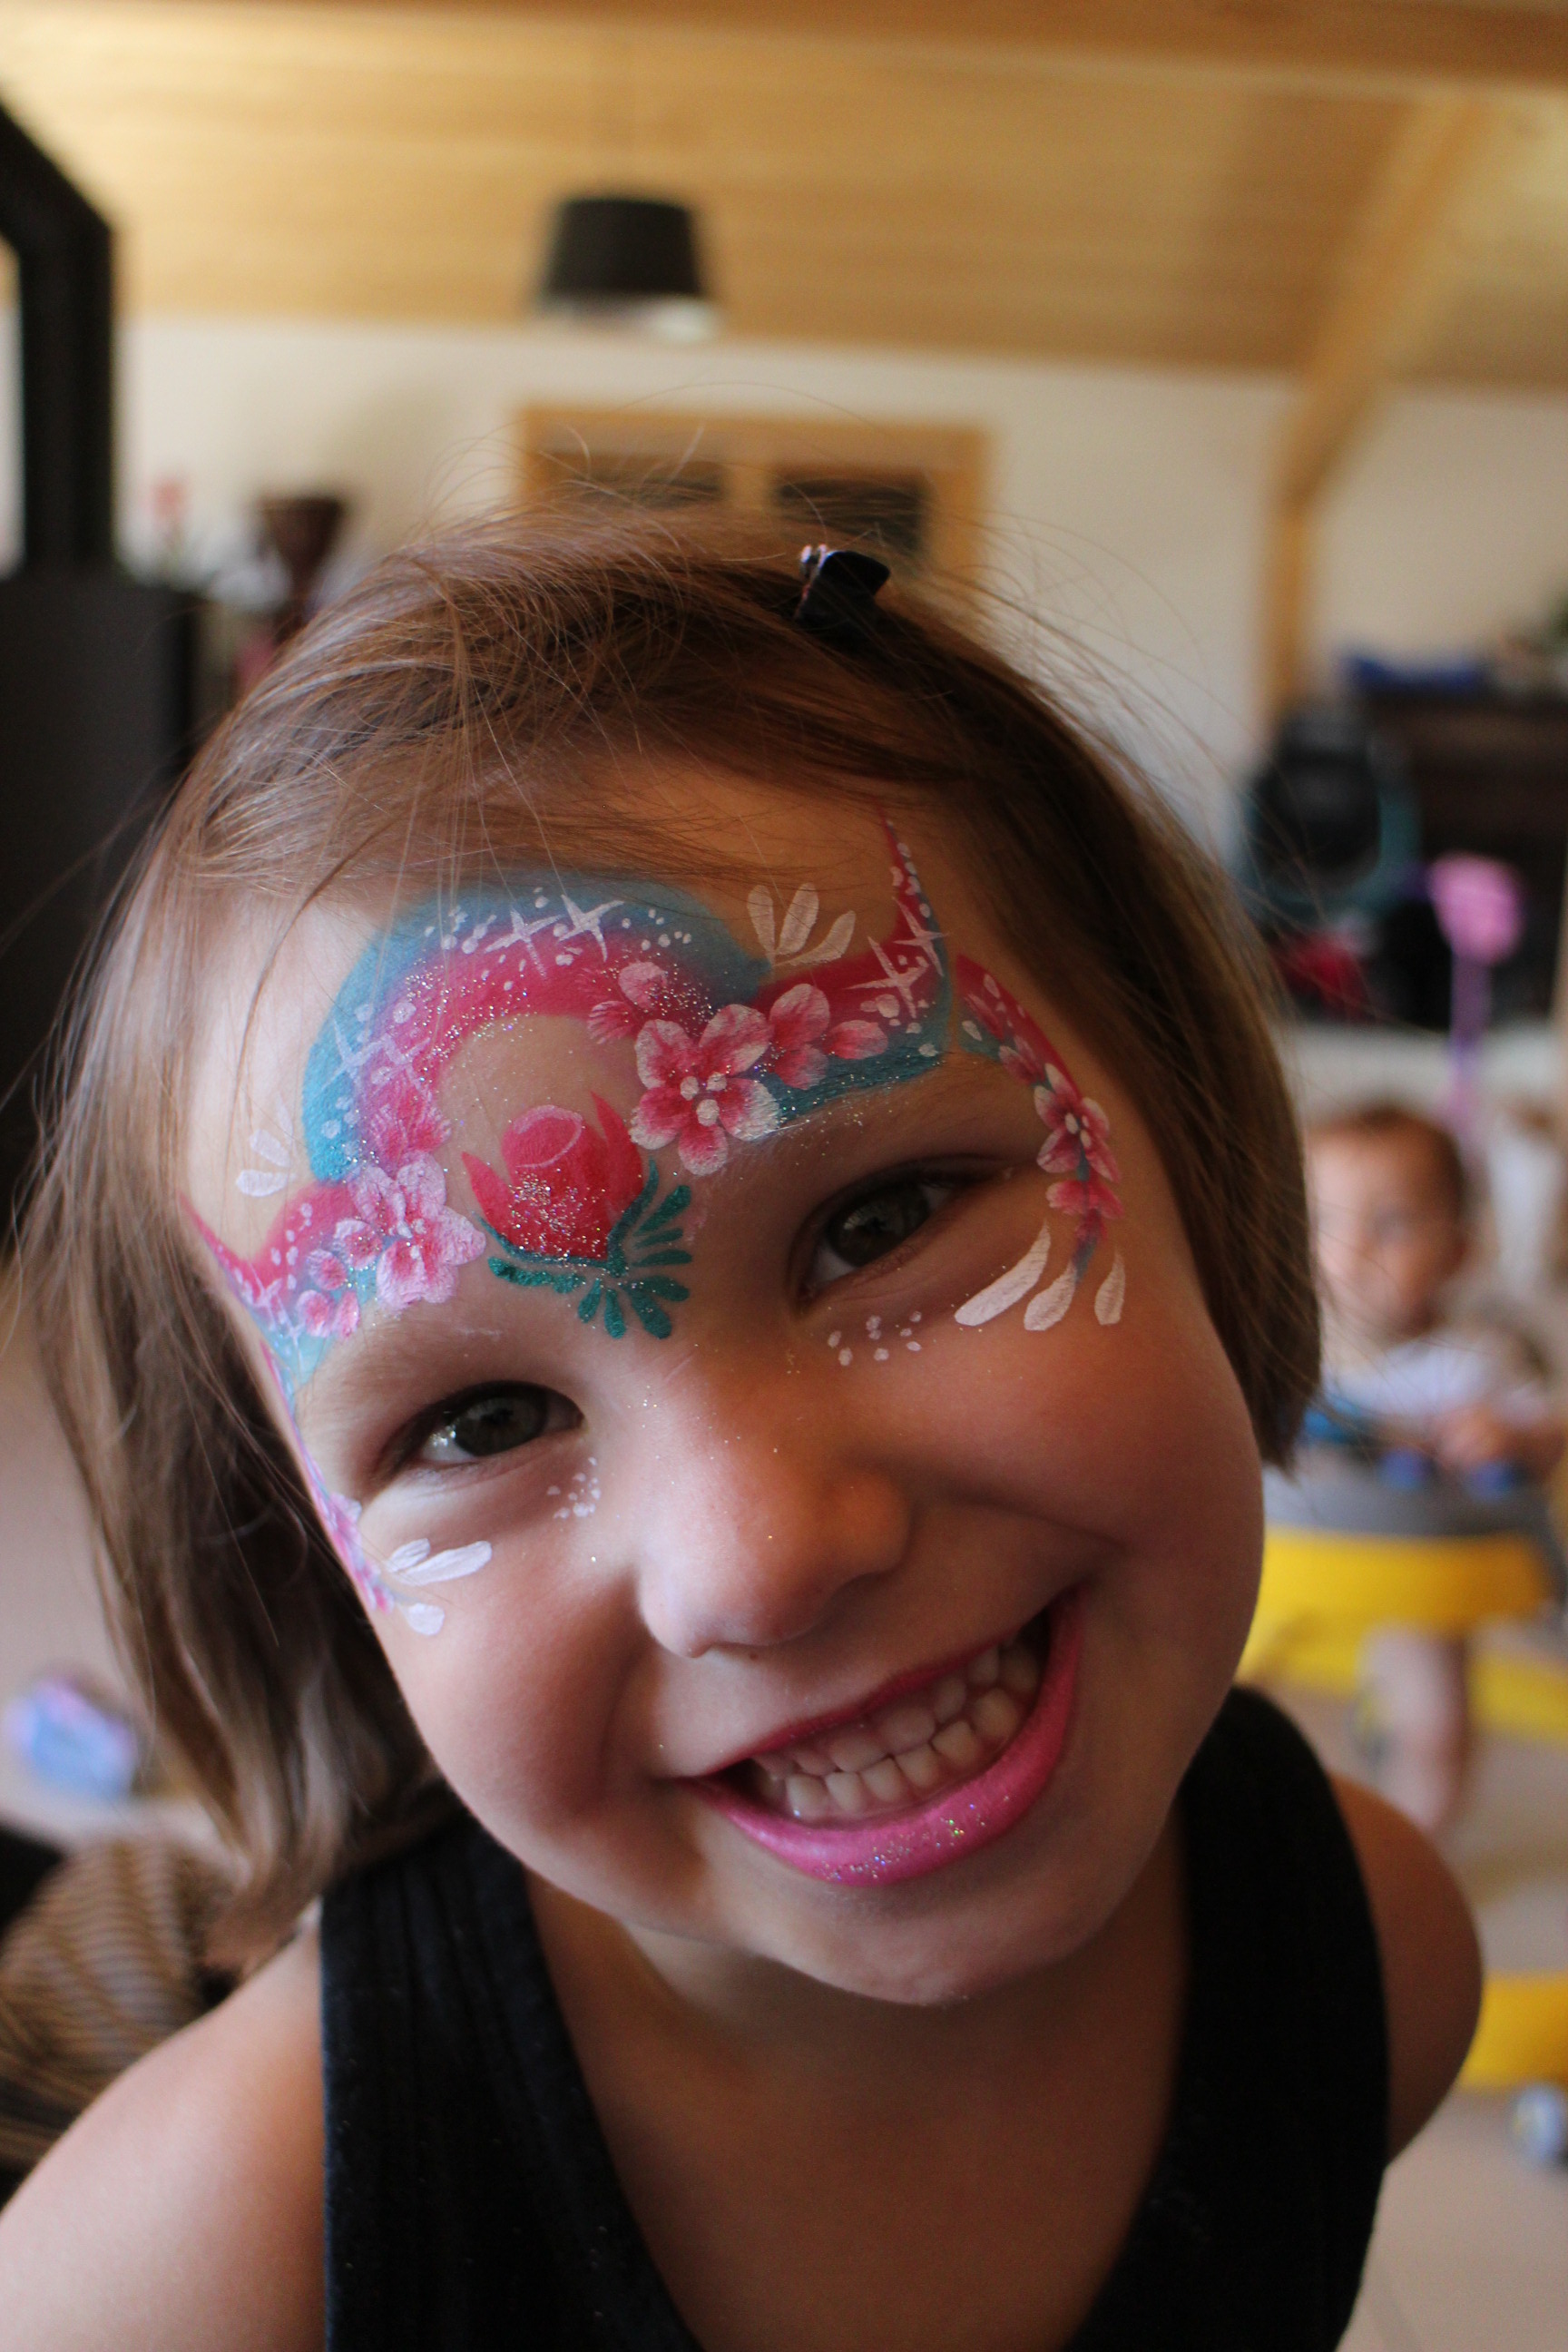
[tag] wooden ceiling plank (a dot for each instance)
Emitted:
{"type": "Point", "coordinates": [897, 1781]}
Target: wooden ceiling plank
{"type": "Point", "coordinates": [1398, 45]}
{"type": "Point", "coordinates": [1390, 284]}
{"type": "Point", "coordinates": [1396, 263]}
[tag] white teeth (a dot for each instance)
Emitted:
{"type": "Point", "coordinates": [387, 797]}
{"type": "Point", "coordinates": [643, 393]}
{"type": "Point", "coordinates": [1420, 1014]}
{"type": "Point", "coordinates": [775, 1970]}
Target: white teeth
{"type": "Point", "coordinates": [854, 1749]}
{"type": "Point", "coordinates": [905, 1726]}
{"type": "Point", "coordinates": [922, 1767]}
{"type": "Point", "coordinates": [960, 1743]}
{"type": "Point", "coordinates": [949, 1698]}
{"type": "Point", "coordinates": [848, 1791]}
{"type": "Point", "coordinates": [808, 1800]}
{"type": "Point", "coordinates": [996, 1716]}
{"type": "Point", "coordinates": [913, 1748]}
{"type": "Point", "coordinates": [1020, 1671]}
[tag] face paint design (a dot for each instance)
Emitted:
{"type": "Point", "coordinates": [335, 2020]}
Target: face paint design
{"type": "Point", "coordinates": [381, 1585]}
{"type": "Point", "coordinates": [882, 1343]}
{"type": "Point", "coordinates": [727, 1047]}
{"type": "Point", "coordinates": [1075, 1151]}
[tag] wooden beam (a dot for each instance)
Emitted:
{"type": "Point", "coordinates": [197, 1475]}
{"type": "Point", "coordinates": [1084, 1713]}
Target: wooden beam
{"type": "Point", "coordinates": [1392, 47]}
{"type": "Point", "coordinates": [1390, 283]}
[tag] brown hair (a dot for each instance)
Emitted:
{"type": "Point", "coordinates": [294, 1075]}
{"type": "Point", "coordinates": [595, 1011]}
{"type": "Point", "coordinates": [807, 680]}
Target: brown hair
{"type": "Point", "coordinates": [1382, 1122]}
{"type": "Point", "coordinates": [470, 700]}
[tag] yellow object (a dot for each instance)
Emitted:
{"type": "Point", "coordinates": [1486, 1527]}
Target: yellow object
{"type": "Point", "coordinates": [1522, 2036]}
{"type": "Point", "coordinates": [1323, 1590]}
{"type": "Point", "coordinates": [1445, 1584]}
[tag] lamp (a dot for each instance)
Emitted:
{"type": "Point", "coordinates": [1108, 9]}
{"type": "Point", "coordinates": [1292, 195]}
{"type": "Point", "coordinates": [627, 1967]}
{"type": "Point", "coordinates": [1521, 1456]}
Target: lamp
{"type": "Point", "coordinates": [628, 261]}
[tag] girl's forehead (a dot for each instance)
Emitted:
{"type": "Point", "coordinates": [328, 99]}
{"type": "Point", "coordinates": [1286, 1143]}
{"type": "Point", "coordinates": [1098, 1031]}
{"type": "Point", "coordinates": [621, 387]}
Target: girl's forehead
{"type": "Point", "coordinates": [804, 962]}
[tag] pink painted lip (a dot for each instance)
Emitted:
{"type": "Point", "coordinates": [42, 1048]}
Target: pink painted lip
{"type": "Point", "coordinates": [945, 1827]}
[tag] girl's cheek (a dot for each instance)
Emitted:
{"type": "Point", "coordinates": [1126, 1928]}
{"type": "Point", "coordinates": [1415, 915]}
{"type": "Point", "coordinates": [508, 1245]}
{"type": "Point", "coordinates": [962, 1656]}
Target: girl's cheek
{"type": "Point", "coordinates": [518, 1698]}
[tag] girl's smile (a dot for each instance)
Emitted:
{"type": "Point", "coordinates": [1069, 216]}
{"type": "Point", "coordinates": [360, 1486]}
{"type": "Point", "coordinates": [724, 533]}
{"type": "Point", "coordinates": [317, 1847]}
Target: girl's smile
{"type": "Point", "coordinates": [922, 1777]}
{"type": "Point", "coordinates": [825, 1502]}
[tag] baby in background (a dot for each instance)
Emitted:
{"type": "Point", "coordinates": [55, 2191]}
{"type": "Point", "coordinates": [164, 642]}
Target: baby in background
{"type": "Point", "coordinates": [1392, 1228]}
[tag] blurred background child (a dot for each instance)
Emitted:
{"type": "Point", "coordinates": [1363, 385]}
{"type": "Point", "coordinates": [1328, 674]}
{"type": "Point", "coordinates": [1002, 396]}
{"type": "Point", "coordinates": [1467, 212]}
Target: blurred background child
{"type": "Point", "coordinates": [1432, 1390]}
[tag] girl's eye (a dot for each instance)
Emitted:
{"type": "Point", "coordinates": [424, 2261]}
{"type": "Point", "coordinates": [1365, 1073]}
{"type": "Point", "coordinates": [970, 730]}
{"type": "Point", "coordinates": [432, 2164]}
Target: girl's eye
{"type": "Point", "coordinates": [873, 1226]}
{"type": "Point", "coordinates": [494, 1421]}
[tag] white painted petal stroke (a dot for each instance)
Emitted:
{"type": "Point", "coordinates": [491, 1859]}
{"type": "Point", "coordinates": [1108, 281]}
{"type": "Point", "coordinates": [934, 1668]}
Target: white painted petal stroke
{"type": "Point", "coordinates": [835, 945]}
{"type": "Point", "coordinates": [1052, 1304]}
{"type": "Point", "coordinates": [1009, 1288]}
{"type": "Point", "coordinates": [759, 907]}
{"type": "Point", "coordinates": [437, 1568]}
{"type": "Point", "coordinates": [798, 922]}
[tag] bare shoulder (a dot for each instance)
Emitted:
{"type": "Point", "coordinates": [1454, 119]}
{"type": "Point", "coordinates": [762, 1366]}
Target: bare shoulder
{"type": "Point", "coordinates": [1431, 1960]}
{"type": "Point", "coordinates": [184, 2208]}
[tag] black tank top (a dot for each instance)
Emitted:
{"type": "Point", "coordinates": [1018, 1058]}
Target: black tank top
{"type": "Point", "coordinates": [472, 2204]}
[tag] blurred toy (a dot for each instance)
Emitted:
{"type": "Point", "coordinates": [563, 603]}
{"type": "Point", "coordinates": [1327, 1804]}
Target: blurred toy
{"type": "Point", "coordinates": [1481, 910]}
{"type": "Point", "coordinates": [1539, 2123]}
{"type": "Point", "coordinates": [77, 1736]}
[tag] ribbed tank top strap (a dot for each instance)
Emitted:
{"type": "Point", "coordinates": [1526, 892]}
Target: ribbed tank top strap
{"type": "Point", "coordinates": [471, 2202]}
{"type": "Point", "coordinates": [1255, 2230]}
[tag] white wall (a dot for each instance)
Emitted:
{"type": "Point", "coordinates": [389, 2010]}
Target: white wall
{"type": "Point", "coordinates": [1127, 505]}
{"type": "Point", "coordinates": [1449, 520]}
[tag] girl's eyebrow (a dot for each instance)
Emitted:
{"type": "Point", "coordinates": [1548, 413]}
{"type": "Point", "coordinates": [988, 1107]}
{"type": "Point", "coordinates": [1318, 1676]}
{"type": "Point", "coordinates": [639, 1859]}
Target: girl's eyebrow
{"type": "Point", "coordinates": [388, 1349]}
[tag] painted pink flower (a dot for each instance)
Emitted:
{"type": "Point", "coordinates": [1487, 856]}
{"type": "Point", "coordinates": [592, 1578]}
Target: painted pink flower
{"type": "Point", "coordinates": [802, 1041]}
{"type": "Point", "coordinates": [566, 1185]}
{"type": "Point", "coordinates": [697, 1096]}
{"type": "Point", "coordinates": [404, 1123]}
{"type": "Point", "coordinates": [1077, 1129]}
{"type": "Point", "coordinates": [1077, 1152]}
{"type": "Point", "coordinates": [330, 1308]}
{"type": "Point", "coordinates": [643, 987]}
{"type": "Point", "coordinates": [405, 1229]}
{"type": "Point", "coordinates": [1089, 1198]}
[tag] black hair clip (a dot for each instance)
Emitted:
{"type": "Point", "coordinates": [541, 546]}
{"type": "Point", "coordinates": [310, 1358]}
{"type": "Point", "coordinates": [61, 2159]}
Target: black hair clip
{"type": "Point", "coordinates": [838, 594]}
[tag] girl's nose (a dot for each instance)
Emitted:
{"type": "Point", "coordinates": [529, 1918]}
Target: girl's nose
{"type": "Point", "coordinates": [755, 1534]}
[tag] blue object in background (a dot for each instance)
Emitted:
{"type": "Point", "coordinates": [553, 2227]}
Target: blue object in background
{"type": "Point", "coordinates": [1540, 2123]}
{"type": "Point", "coordinates": [74, 1738]}
{"type": "Point", "coordinates": [1406, 1467]}
{"type": "Point", "coordinates": [1369, 673]}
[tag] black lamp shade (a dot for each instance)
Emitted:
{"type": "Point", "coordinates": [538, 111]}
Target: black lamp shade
{"type": "Point", "coordinates": [631, 260]}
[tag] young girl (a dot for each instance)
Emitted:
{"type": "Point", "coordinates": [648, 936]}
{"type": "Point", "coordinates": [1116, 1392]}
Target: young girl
{"type": "Point", "coordinates": [671, 1245]}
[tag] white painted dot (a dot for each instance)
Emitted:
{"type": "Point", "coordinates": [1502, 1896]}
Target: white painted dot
{"type": "Point", "coordinates": [846, 1354]}
{"type": "Point", "coordinates": [834, 1338]}
{"type": "Point", "coordinates": [912, 1347]}
{"type": "Point", "coordinates": [881, 1356]}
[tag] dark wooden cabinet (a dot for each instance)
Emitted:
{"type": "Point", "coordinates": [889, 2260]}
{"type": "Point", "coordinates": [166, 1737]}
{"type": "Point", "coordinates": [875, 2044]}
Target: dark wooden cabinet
{"type": "Point", "coordinates": [1490, 774]}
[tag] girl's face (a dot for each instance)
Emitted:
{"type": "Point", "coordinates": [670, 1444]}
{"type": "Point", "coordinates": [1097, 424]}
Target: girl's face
{"type": "Point", "coordinates": [743, 1347]}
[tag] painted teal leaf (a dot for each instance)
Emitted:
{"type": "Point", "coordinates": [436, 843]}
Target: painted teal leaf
{"type": "Point", "coordinates": [536, 1277]}
{"type": "Point", "coordinates": [672, 1205]}
{"type": "Point", "coordinates": [656, 1286]}
{"type": "Point", "coordinates": [652, 1317]}
{"type": "Point", "coordinates": [588, 1304]}
{"type": "Point", "coordinates": [664, 1257]}
{"type": "Point", "coordinates": [615, 1316]}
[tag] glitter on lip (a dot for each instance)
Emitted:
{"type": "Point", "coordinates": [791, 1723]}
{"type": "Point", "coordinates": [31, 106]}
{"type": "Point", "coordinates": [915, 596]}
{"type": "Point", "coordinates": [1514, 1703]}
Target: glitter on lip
{"type": "Point", "coordinates": [954, 1823]}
